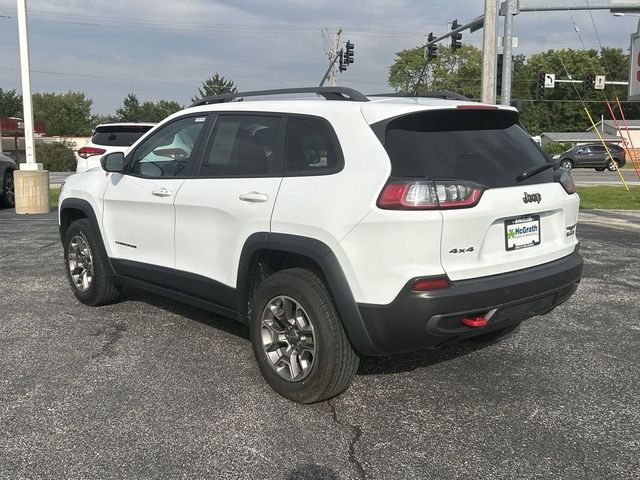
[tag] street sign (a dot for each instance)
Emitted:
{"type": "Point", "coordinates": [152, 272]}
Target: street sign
{"type": "Point", "coordinates": [600, 82]}
{"type": "Point", "coordinates": [550, 80]}
{"type": "Point", "coordinates": [514, 42]}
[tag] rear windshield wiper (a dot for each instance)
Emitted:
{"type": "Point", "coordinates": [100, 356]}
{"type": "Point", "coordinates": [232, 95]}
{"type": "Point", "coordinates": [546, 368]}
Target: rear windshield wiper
{"type": "Point", "coordinates": [530, 172]}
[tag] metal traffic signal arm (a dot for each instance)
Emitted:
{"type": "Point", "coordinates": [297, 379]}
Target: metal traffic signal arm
{"type": "Point", "coordinates": [472, 26]}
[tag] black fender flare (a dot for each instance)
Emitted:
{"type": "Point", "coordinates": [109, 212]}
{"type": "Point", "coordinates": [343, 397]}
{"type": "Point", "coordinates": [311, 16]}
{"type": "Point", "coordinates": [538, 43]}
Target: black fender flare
{"type": "Point", "coordinates": [321, 254]}
{"type": "Point", "coordinates": [86, 208]}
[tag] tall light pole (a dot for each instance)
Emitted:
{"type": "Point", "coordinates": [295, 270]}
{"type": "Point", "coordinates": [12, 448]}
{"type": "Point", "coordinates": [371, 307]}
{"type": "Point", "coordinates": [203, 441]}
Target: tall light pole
{"type": "Point", "coordinates": [31, 181]}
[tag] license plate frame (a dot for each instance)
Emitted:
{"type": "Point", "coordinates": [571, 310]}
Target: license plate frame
{"type": "Point", "coordinates": [530, 236]}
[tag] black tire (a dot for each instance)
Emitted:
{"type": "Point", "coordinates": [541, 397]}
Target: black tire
{"type": "Point", "coordinates": [495, 335]}
{"type": "Point", "coordinates": [8, 198]}
{"type": "Point", "coordinates": [334, 361]}
{"type": "Point", "coordinates": [100, 290]}
{"type": "Point", "coordinates": [611, 166]}
{"type": "Point", "coordinates": [566, 163]}
{"type": "Point", "coordinates": [600, 169]}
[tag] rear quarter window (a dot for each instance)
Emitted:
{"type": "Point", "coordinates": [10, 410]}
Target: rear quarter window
{"type": "Point", "coordinates": [484, 146]}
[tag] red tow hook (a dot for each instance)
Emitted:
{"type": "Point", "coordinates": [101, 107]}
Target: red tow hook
{"type": "Point", "coordinates": [475, 322]}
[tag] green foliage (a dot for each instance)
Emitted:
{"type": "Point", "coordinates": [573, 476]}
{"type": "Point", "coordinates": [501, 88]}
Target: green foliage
{"type": "Point", "coordinates": [458, 71]}
{"type": "Point", "coordinates": [134, 111]}
{"type": "Point", "coordinates": [64, 114]}
{"type": "Point", "coordinates": [560, 110]}
{"type": "Point", "coordinates": [553, 148]}
{"type": "Point", "coordinates": [56, 156]}
{"type": "Point", "coordinates": [215, 85]}
{"type": "Point", "coordinates": [10, 103]}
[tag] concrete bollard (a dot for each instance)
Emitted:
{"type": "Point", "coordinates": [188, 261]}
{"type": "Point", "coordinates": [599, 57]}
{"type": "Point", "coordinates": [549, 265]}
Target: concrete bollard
{"type": "Point", "coordinates": [32, 191]}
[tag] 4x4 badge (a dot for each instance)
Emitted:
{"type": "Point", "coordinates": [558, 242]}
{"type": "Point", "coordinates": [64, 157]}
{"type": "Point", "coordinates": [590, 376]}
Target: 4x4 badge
{"type": "Point", "coordinates": [532, 197]}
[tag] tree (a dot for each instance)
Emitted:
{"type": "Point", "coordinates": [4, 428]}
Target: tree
{"type": "Point", "coordinates": [561, 108]}
{"type": "Point", "coordinates": [456, 70]}
{"type": "Point", "coordinates": [64, 114]}
{"type": "Point", "coordinates": [215, 85]}
{"type": "Point", "coordinates": [10, 103]}
{"type": "Point", "coordinates": [56, 156]}
{"type": "Point", "coordinates": [134, 111]}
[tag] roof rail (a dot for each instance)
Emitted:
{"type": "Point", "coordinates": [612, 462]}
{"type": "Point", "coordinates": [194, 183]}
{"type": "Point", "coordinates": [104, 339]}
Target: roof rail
{"type": "Point", "coordinates": [329, 93]}
{"type": "Point", "coordinates": [445, 94]}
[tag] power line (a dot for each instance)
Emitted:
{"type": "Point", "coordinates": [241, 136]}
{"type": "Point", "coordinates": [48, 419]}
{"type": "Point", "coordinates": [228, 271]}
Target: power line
{"type": "Point", "coordinates": [68, 17]}
{"type": "Point", "coordinates": [101, 77]}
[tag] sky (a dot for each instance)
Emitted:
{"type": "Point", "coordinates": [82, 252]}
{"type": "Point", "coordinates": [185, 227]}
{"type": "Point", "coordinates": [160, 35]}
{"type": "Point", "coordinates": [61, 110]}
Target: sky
{"type": "Point", "coordinates": [161, 49]}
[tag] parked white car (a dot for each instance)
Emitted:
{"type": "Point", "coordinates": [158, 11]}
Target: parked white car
{"type": "Point", "coordinates": [334, 229]}
{"type": "Point", "coordinates": [108, 138]}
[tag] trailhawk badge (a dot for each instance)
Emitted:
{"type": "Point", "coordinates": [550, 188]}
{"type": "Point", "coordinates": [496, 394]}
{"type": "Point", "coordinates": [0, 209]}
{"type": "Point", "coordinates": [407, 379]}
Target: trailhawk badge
{"type": "Point", "coordinates": [532, 197]}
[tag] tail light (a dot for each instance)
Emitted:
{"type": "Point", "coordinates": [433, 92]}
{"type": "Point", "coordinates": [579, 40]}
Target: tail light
{"type": "Point", "coordinates": [566, 180]}
{"type": "Point", "coordinates": [429, 194]}
{"type": "Point", "coordinates": [86, 152]}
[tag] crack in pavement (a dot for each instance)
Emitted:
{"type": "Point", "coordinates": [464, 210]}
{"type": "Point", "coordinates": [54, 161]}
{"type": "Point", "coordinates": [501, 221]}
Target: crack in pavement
{"type": "Point", "coordinates": [113, 334]}
{"type": "Point", "coordinates": [357, 433]}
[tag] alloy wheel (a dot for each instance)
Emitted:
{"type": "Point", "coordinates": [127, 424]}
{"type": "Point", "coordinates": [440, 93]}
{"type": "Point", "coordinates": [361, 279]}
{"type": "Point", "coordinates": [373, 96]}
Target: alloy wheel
{"type": "Point", "coordinates": [9, 191]}
{"type": "Point", "coordinates": [80, 263]}
{"type": "Point", "coordinates": [288, 338]}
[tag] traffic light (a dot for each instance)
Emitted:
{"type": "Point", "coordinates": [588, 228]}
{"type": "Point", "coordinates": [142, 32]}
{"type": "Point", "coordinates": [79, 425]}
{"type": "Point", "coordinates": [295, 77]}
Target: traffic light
{"type": "Point", "coordinates": [432, 50]}
{"type": "Point", "coordinates": [589, 82]}
{"type": "Point", "coordinates": [348, 54]}
{"type": "Point", "coordinates": [342, 66]}
{"type": "Point", "coordinates": [456, 38]}
{"type": "Point", "coordinates": [499, 74]}
{"type": "Point", "coordinates": [540, 85]}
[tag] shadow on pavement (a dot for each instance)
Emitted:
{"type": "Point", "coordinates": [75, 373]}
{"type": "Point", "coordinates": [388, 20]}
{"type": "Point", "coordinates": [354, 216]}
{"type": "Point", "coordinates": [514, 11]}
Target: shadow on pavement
{"type": "Point", "coordinates": [404, 362]}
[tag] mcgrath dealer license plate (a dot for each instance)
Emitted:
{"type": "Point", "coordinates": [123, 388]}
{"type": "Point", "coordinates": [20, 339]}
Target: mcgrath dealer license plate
{"type": "Point", "coordinates": [522, 232]}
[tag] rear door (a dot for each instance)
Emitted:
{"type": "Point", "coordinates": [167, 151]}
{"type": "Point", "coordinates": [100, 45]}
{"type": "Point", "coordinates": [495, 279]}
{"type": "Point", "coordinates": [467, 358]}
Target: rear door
{"type": "Point", "coordinates": [231, 196]}
{"type": "Point", "coordinates": [515, 224]}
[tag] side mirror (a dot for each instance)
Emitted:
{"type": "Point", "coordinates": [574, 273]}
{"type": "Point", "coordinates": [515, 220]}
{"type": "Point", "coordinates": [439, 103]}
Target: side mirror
{"type": "Point", "coordinates": [113, 162]}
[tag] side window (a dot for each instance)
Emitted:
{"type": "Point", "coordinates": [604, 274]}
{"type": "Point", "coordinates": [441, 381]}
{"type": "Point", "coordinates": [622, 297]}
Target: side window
{"type": "Point", "coordinates": [312, 147]}
{"type": "Point", "coordinates": [166, 153]}
{"type": "Point", "coordinates": [243, 145]}
{"type": "Point", "coordinates": [597, 149]}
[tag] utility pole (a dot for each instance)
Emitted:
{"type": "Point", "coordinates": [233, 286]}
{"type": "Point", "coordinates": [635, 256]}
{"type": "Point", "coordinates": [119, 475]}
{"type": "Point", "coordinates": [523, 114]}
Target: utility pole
{"type": "Point", "coordinates": [336, 52]}
{"type": "Point", "coordinates": [488, 94]}
{"type": "Point", "coordinates": [510, 9]}
{"type": "Point", "coordinates": [31, 182]}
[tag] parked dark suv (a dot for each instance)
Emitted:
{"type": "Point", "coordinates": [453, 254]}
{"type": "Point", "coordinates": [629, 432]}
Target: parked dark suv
{"type": "Point", "coordinates": [7, 194]}
{"type": "Point", "coordinates": [592, 155]}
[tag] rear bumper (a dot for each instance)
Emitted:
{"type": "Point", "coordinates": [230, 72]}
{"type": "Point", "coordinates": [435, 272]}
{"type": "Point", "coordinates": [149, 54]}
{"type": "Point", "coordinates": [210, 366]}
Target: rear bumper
{"type": "Point", "coordinates": [420, 320]}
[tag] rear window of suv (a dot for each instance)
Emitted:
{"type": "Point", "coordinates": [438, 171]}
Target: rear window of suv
{"type": "Point", "coordinates": [119, 136]}
{"type": "Point", "coordinates": [484, 146]}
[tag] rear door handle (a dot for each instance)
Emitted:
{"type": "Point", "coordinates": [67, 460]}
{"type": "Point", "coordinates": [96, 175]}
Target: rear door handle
{"type": "Point", "coordinates": [161, 192]}
{"type": "Point", "coordinates": [254, 197]}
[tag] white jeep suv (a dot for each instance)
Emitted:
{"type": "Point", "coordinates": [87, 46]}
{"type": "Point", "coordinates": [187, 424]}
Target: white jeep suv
{"type": "Point", "coordinates": [335, 226]}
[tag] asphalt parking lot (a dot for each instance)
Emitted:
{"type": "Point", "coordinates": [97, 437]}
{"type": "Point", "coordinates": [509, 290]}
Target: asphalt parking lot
{"type": "Point", "coordinates": [149, 388]}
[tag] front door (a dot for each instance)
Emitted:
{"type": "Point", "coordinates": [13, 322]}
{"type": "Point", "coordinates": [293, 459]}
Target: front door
{"type": "Point", "coordinates": [138, 214]}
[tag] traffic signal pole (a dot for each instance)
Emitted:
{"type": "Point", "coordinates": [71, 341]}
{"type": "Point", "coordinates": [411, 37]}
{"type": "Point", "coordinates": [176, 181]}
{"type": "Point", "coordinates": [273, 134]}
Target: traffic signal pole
{"type": "Point", "coordinates": [507, 51]}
